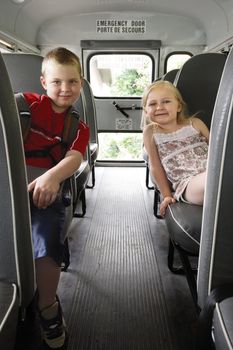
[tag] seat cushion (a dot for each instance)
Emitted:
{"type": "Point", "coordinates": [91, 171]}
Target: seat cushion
{"type": "Point", "coordinates": [184, 225]}
{"type": "Point", "coordinates": [82, 176]}
{"type": "Point", "coordinates": [223, 325]}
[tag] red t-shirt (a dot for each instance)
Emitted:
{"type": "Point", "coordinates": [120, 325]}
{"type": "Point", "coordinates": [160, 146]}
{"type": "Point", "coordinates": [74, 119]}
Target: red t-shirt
{"type": "Point", "coordinates": [46, 130]}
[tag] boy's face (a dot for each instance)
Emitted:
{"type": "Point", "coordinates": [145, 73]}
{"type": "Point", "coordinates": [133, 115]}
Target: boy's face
{"type": "Point", "coordinates": [62, 84]}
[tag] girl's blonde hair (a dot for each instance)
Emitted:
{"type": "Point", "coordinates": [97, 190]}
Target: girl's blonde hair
{"type": "Point", "coordinates": [163, 84]}
{"type": "Point", "coordinates": [62, 56]}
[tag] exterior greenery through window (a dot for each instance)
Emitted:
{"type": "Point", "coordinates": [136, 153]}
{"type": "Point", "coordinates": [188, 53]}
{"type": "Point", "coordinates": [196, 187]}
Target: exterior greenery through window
{"type": "Point", "coordinates": [130, 83]}
{"type": "Point", "coordinates": [120, 146]}
{"type": "Point", "coordinates": [120, 75]}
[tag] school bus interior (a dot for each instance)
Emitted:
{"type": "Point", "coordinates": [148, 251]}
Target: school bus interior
{"type": "Point", "coordinates": [131, 279]}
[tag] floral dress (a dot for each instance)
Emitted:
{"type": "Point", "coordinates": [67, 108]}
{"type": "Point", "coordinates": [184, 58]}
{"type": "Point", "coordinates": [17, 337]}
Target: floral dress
{"type": "Point", "coordinates": [183, 154]}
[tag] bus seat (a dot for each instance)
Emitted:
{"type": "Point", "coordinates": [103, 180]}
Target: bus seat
{"type": "Point", "coordinates": [17, 276]}
{"type": "Point", "coordinates": [148, 175]}
{"type": "Point", "coordinates": [85, 169]}
{"type": "Point", "coordinates": [169, 76]}
{"type": "Point", "coordinates": [92, 122]}
{"type": "Point", "coordinates": [24, 71]}
{"type": "Point", "coordinates": [198, 81]}
{"type": "Point", "coordinates": [215, 271]}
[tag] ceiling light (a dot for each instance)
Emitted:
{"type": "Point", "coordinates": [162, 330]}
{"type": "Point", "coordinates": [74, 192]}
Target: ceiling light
{"type": "Point", "coordinates": [5, 43]}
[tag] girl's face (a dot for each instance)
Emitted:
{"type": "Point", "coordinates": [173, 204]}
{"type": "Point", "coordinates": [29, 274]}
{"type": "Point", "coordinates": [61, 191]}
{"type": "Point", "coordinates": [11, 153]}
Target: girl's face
{"type": "Point", "coordinates": [162, 107]}
{"type": "Point", "coordinates": [63, 85]}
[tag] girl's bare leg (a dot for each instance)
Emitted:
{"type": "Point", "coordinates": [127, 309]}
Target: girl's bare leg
{"type": "Point", "coordinates": [195, 189]}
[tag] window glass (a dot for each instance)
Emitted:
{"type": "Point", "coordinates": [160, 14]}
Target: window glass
{"type": "Point", "coordinates": [120, 75]}
{"type": "Point", "coordinates": [176, 60]}
{"type": "Point", "coordinates": [120, 146]}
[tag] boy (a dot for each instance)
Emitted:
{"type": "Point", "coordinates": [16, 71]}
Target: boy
{"type": "Point", "coordinates": [62, 79]}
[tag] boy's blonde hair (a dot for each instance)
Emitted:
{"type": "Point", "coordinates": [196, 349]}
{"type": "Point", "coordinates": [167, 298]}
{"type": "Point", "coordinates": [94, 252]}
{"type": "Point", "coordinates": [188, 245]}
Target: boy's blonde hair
{"type": "Point", "coordinates": [62, 56]}
{"type": "Point", "coordinates": [163, 84]}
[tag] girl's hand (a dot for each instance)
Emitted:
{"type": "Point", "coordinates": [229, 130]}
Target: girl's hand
{"type": "Point", "coordinates": [166, 201]}
{"type": "Point", "coordinates": [45, 189]}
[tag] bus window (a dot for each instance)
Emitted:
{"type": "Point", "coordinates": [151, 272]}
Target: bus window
{"type": "Point", "coordinates": [176, 60]}
{"type": "Point", "coordinates": [120, 146]}
{"type": "Point", "coordinates": [120, 75]}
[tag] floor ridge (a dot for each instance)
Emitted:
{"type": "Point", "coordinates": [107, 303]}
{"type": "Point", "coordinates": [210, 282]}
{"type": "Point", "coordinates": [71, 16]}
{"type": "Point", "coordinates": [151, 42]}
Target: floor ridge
{"type": "Point", "coordinates": [119, 302]}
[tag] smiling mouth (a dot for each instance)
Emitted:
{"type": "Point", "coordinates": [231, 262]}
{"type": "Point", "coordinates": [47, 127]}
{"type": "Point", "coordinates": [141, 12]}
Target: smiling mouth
{"type": "Point", "coordinates": [160, 114]}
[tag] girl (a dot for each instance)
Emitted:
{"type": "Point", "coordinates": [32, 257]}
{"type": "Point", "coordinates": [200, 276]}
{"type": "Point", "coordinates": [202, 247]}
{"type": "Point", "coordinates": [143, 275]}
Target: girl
{"type": "Point", "coordinates": [177, 145]}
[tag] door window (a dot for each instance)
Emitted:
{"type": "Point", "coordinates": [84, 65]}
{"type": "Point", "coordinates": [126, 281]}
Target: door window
{"type": "Point", "coordinates": [119, 79]}
{"type": "Point", "coordinates": [120, 75]}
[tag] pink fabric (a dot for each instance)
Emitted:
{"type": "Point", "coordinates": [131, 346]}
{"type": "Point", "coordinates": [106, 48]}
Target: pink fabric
{"type": "Point", "coordinates": [183, 154]}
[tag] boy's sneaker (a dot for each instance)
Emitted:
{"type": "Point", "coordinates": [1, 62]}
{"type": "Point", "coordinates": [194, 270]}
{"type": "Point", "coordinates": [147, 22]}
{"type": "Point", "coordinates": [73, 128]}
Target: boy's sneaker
{"type": "Point", "coordinates": [53, 327]}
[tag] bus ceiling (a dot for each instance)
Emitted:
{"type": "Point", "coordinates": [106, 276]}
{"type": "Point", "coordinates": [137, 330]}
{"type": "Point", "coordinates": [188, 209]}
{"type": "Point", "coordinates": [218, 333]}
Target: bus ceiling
{"type": "Point", "coordinates": [200, 23]}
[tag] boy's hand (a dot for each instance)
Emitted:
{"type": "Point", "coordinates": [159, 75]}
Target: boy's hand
{"type": "Point", "coordinates": [45, 189]}
{"type": "Point", "coordinates": [163, 206]}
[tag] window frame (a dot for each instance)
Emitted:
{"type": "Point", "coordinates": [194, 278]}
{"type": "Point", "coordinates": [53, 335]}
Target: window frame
{"type": "Point", "coordinates": [120, 52]}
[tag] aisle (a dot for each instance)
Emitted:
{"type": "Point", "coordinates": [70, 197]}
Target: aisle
{"type": "Point", "coordinates": [118, 301]}
{"type": "Point", "coordinates": [118, 293]}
